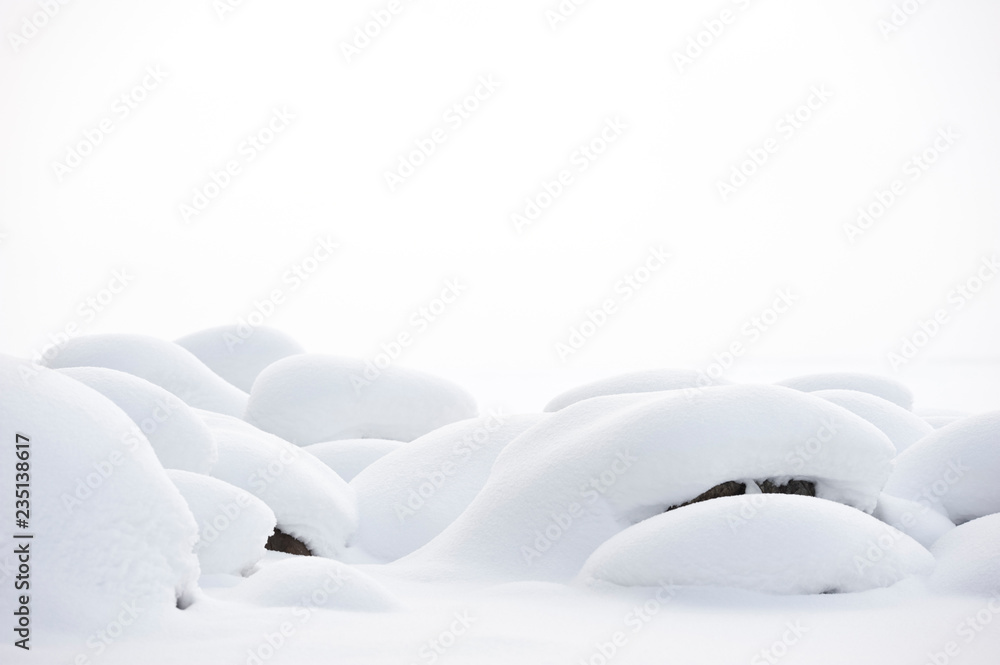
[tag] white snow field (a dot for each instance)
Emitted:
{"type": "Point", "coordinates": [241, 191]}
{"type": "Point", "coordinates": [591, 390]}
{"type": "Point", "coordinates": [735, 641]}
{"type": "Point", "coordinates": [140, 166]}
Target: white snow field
{"type": "Point", "coordinates": [901, 426]}
{"type": "Point", "coordinates": [880, 386]}
{"type": "Point", "coordinates": [313, 398]}
{"type": "Point", "coordinates": [968, 558]}
{"type": "Point", "coordinates": [349, 457]}
{"type": "Point", "coordinates": [238, 353]}
{"type": "Point", "coordinates": [654, 380]}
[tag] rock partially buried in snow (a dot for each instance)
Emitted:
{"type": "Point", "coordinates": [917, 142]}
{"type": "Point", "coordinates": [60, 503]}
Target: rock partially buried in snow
{"type": "Point", "coordinates": [349, 457]}
{"type": "Point", "coordinates": [238, 353]}
{"type": "Point", "coordinates": [773, 543]}
{"type": "Point", "coordinates": [880, 386]}
{"type": "Point", "coordinates": [968, 560]}
{"type": "Point", "coordinates": [653, 380]}
{"type": "Point", "coordinates": [901, 426]}
{"type": "Point", "coordinates": [178, 436]}
{"type": "Point", "coordinates": [160, 362]}
{"type": "Point", "coordinates": [312, 398]}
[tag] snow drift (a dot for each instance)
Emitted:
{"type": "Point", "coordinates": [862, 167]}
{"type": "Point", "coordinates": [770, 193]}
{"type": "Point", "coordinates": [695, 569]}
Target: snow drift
{"type": "Point", "coordinates": [349, 457]}
{"type": "Point", "coordinates": [239, 353]}
{"type": "Point", "coordinates": [654, 380]}
{"type": "Point", "coordinates": [880, 386]}
{"type": "Point", "coordinates": [968, 559]}
{"type": "Point", "coordinates": [901, 426]}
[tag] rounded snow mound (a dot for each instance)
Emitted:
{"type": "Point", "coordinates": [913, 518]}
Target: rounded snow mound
{"type": "Point", "coordinates": [313, 398]}
{"type": "Point", "coordinates": [968, 559]}
{"type": "Point", "coordinates": [914, 519]}
{"type": "Point", "coordinates": [772, 543]}
{"type": "Point", "coordinates": [239, 353]}
{"type": "Point", "coordinates": [309, 583]}
{"type": "Point", "coordinates": [938, 418]}
{"type": "Point", "coordinates": [233, 525]}
{"type": "Point", "coordinates": [178, 436]}
{"type": "Point", "coordinates": [411, 495]}
{"type": "Point", "coordinates": [164, 363]}
{"type": "Point", "coordinates": [880, 386]}
{"type": "Point", "coordinates": [349, 457]}
{"type": "Point", "coordinates": [645, 381]}
{"type": "Point", "coordinates": [109, 528]}
{"type": "Point", "coordinates": [309, 500]}
{"type": "Point", "coordinates": [954, 469]}
{"type": "Point", "coordinates": [588, 471]}
{"type": "Point", "coordinates": [901, 426]}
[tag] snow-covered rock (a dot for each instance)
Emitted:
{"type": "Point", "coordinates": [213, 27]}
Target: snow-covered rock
{"type": "Point", "coordinates": [409, 496]}
{"type": "Point", "coordinates": [968, 559]}
{"type": "Point", "coordinates": [179, 437]}
{"type": "Point", "coordinates": [233, 525]}
{"type": "Point", "coordinates": [653, 380]}
{"type": "Point", "coordinates": [881, 386]}
{"type": "Point", "coordinates": [166, 364]}
{"type": "Point", "coordinates": [954, 469]}
{"type": "Point", "coordinates": [772, 543]}
{"type": "Point", "coordinates": [312, 398]}
{"type": "Point", "coordinates": [349, 457]}
{"type": "Point", "coordinates": [901, 426]}
{"type": "Point", "coordinates": [239, 353]}
{"type": "Point", "coordinates": [917, 520]}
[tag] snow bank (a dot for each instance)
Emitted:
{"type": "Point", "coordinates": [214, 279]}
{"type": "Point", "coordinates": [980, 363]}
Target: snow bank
{"type": "Point", "coordinates": [163, 363]}
{"type": "Point", "coordinates": [239, 353]}
{"type": "Point", "coordinates": [309, 500]}
{"type": "Point", "coordinates": [312, 398]}
{"type": "Point", "coordinates": [914, 519]}
{"type": "Point", "coordinates": [178, 436]}
{"type": "Point", "coordinates": [584, 473]}
{"type": "Point", "coordinates": [954, 469]}
{"type": "Point", "coordinates": [772, 543]}
{"type": "Point", "coordinates": [901, 426]}
{"type": "Point", "coordinates": [968, 559]}
{"type": "Point", "coordinates": [409, 496]}
{"type": "Point", "coordinates": [880, 386]}
{"type": "Point", "coordinates": [348, 457]}
{"type": "Point", "coordinates": [634, 382]}
{"type": "Point", "coordinates": [110, 529]}
{"type": "Point", "coordinates": [233, 525]}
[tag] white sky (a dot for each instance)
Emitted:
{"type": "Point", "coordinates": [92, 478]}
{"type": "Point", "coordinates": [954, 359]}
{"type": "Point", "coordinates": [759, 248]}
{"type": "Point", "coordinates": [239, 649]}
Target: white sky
{"type": "Point", "coordinates": [654, 187]}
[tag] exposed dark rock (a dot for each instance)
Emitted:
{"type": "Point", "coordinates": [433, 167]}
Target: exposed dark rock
{"type": "Point", "coordinates": [801, 487]}
{"type": "Point", "coordinates": [283, 542]}
{"type": "Point", "coordinates": [736, 488]}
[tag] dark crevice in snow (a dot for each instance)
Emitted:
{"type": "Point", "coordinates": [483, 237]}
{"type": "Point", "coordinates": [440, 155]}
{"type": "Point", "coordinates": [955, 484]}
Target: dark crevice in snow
{"type": "Point", "coordinates": [279, 541]}
{"type": "Point", "coordinates": [736, 488]}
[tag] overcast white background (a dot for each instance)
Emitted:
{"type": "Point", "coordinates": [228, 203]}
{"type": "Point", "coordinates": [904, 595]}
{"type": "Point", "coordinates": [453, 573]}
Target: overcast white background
{"type": "Point", "coordinates": [655, 186]}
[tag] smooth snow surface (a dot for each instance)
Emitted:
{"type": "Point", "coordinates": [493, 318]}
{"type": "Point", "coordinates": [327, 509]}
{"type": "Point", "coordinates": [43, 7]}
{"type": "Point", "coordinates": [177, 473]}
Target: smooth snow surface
{"type": "Point", "coordinates": [968, 559]}
{"type": "Point", "coordinates": [915, 519]}
{"type": "Point", "coordinates": [238, 353]}
{"type": "Point", "coordinates": [349, 457]}
{"type": "Point", "coordinates": [634, 382]}
{"type": "Point", "coordinates": [901, 426]}
{"type": "Point", "coordinates": [880, 386]}
{"type": "Point", "coordinates": [313, 398]}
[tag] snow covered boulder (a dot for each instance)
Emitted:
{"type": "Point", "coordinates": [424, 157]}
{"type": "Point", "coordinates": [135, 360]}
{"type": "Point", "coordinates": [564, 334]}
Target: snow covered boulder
{"type": "Point", "coordinates": [954, 469]}
{"type": "Point", "coordinates": [311, 502]}
{"type": "Point", "coordinates": [312, 398]}
{"type": "Point", "coordinates": [349, 457]}
{"type": "Point", "coordinates": [233, 525]}
{"type": "Point", "coordinates": [238, 353]}
{"type": "Point", "coordinates": [653, 380]}
{"type": "Point", "coordinates": [164, 363]}
{"type": "Point", "coordinates": [409, 496]}
{"type": "Point", "coordinates": [178, 436]}
{"type": "Point", "coordinates": [968, 559]}
{"type": "Point", "coordinates": [110, 531]}
{"type": "Point", "coordinates": [586, 472]}
{"type": "Point", "coordinates": [772, 543]}
{"type": "Point", "coordinates": [914, 519]}
{"type": "Point", "coordinates": [901, 426]}
{"type": "Point", "coordinates": [880, 386]}
{"type": "Point", "coordinates": [938, 418]}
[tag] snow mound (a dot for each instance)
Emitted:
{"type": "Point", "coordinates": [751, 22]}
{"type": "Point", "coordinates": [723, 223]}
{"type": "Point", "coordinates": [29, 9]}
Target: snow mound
{"type": "Point", "coordinates": [309, 500]}
{"type": "Point", "coordinates": [968, 559]}
{"type": "Point", "coordinates": [937, 422]}
{"type": "Point", "coordinates": [411, 495]}
{"type": "Point", "coordinates": [588, 471]}
{"type": "Point", "coordinates": [914, 519]}
{"type": "Point", "coordinates": [179, 437]}
{"type": "Point", "coordinates": [233, 525]}
{"type": "Point", "coordinates": [313, 398]}
{"type": "Point", "coordinates": [646, 381]}
{"type": "Point", "coordinates": [164, 363]}
{"type": "Point", "coordinates": [349, 457]}
{"type": "Point", "coordinates": [954, 469]}
{"type": "Point", "coordinates": [901, 426]}
{"type": "Point", "coordinates": [238, 353]}
{"type": "Point", "coordinates": [772, 543]}
{"type": "Point", "coordinates": [309, 583]}
{"type": "Point", "coordinates": [880, 386]}
{"type": "Point", "coordinates": [109, 528]}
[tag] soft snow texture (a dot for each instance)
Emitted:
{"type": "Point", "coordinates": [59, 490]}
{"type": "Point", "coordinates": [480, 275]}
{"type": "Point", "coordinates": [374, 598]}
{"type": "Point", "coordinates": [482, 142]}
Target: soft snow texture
{"type": "Point", "coordinates": [309, 500]}
{"type": "Point", "coordinates": [968, 559]}
{"type": "Point", "coordinates": [914, 519]}
{"type": "Point", "coordinates": [179, 437]}
{"type": "Point", "coordinates": [881, 386]}
{"type": "Point", "coordinates": [634, 382]}
{"type": "Point", "coordinates": [408, 497]}
{"type": "Point", "coordinates": [587, 471]}
{"type": "Point", "coordinates": [956, 469]}
{"type": "Point", "coordinates": [312, 398]}
{"type": "Point", "coordinates": [164, 363]}
{"type": "Point", "coordinates": [238, 353]}
{"type": "Point", "coordinates": [233, 525]}
{"type": "Point", "coordinates": [349, 457]}
{"type": "Point", "coordinates": [901, 426]}
{"type": "Point", "coordinates": [774, 543]}
{"type": "Point", "coordinates": [109, 527]}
